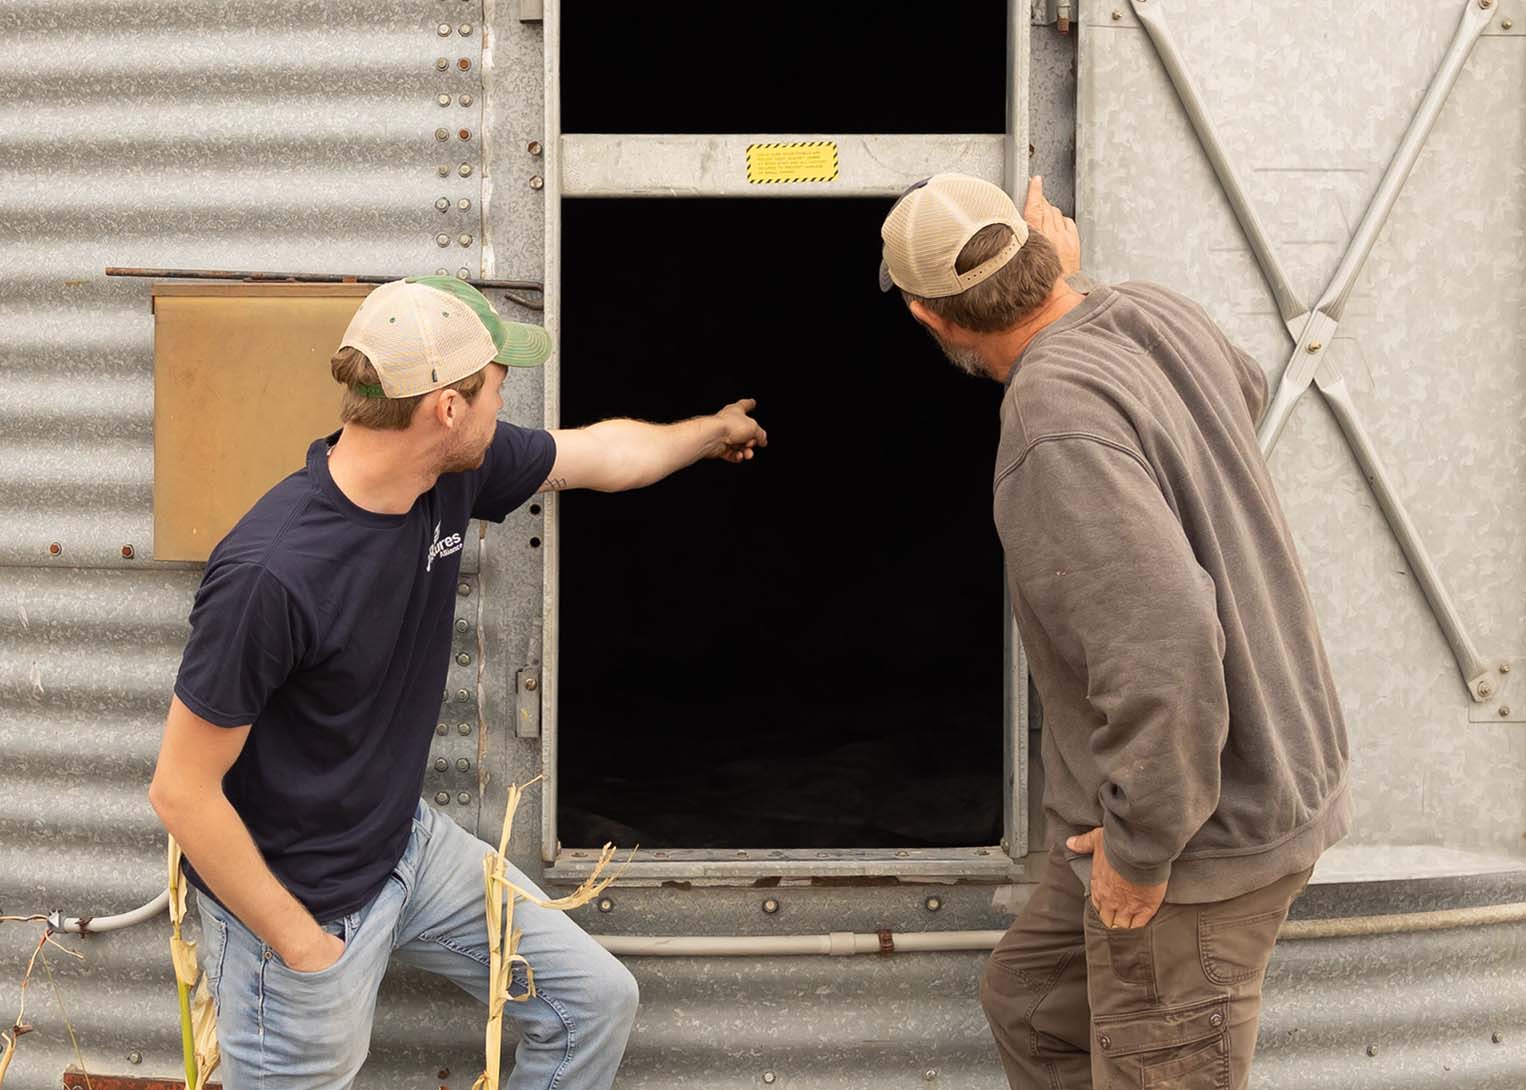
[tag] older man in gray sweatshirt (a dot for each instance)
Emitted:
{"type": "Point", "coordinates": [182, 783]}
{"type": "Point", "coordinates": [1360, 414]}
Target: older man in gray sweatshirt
{"type": "Point", "coordinates": [1194, 751]}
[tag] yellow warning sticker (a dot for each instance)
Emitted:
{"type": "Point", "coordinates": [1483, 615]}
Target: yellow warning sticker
{"type": "Point", "coordinates": [813, 161]}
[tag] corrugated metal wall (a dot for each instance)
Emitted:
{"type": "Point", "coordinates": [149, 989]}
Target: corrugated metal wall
{"type": "Point", "coordinates": [300, 135]}
{"type": "Point", "coordinates": [290, 135]}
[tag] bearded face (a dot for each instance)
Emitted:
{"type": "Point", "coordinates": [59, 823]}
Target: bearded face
{"type": "Point", "coordinates": [966, 359]}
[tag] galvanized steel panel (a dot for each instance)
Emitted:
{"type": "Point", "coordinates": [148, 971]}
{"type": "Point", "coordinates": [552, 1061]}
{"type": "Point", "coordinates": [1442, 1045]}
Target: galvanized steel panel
{"type": "Point", "coordinates": [1311, 108]}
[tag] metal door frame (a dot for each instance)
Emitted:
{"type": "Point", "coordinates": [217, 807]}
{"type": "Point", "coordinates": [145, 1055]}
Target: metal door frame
{"type": "Point", "coordinates": [674, 165]}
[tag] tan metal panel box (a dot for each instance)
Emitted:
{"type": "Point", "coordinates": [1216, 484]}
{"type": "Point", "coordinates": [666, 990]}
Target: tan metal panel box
{"type": "Point", "coordinates": [241, 388]}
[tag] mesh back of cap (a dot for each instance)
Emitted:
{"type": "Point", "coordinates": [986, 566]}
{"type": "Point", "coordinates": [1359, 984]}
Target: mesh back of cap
{"type": "Point", "coordinates": [419, 339]}
{"type": "Point", "coordinates": [925, 233]}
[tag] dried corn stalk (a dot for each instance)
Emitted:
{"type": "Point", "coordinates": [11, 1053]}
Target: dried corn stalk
{"type": "Point", "coordinates": [198, 1020]}
{"type": "Point", "coordinates": [503, 940]}
{"type": "Point", "coordinates": [20, 1026]}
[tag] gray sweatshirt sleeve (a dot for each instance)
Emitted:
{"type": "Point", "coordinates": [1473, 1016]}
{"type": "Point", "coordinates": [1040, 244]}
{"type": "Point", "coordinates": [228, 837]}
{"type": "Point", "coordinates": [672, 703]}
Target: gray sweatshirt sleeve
{"type": "Point", "coordinates": [1098, 557]}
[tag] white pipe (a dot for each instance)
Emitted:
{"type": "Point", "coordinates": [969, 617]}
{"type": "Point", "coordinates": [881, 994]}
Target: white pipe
{"type": "Point", "coordinates": [848, 943]}
{"type": "Point", "coordinates": [1404, 923]}
{"type": "Point", "coordinates": [90, 925]}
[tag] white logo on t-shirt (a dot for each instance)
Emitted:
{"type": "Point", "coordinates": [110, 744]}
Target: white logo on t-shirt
{"type": "Point", "coordinates": [451, 544]}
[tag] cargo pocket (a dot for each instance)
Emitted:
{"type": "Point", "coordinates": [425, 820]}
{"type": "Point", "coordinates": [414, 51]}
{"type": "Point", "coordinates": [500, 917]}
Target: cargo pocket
{"type": "Point", "coordinates": [1234, 949]}
{"type": "Point", "coordinates": [1183, 1047]}
{"type": "Point", "coordinates": [1128, 953]}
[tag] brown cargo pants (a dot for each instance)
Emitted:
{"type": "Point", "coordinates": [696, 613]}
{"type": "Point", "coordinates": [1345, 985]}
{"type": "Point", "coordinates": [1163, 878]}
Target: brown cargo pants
{"type": "Point", "coordinates": [1174, 1004]}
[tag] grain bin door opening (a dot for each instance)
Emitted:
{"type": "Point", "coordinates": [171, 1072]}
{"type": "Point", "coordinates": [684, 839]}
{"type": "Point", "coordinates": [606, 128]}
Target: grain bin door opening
{"type": "Point", "coordinates": [805, 651]}
{"type": "Point", "coordinates": [804, 666]}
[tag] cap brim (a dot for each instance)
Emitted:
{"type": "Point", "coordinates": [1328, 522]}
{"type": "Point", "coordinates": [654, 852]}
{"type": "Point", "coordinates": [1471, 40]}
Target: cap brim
{"type": "Point", "coordinates": [522, 345]}
{"type": "Point", "coordinates": [885, 282]}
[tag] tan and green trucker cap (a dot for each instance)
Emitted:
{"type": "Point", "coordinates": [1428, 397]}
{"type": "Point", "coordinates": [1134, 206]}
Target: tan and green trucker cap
{"type": "Point", "coordinates": [429, 331]}
{"type": "Point", "coordinates": [931, 222]}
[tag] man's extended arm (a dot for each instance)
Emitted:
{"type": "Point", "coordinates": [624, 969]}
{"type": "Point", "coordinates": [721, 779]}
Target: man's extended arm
{"type": "Point", "coordinates": [616, 455]}
{"type": "Point", "coordinates": [187, 794]}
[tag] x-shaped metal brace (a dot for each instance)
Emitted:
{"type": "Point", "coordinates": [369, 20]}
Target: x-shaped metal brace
{"type": "Point", "coordinates": [1313, 330]}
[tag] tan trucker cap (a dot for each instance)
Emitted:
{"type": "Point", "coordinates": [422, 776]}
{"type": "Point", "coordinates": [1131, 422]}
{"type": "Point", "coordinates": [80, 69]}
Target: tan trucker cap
{"type": "Point", "coordinates": [430, 331]}
{"type": "Point", "coordinates": [931, 222]}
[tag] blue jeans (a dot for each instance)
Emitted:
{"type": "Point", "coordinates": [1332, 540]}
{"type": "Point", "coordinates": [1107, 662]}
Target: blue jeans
{"type": "Point", "coordinates": [280, 1029]}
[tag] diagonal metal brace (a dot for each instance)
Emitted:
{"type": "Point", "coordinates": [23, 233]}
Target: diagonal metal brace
{"type": "Point", "coordinates": [1313, 332]}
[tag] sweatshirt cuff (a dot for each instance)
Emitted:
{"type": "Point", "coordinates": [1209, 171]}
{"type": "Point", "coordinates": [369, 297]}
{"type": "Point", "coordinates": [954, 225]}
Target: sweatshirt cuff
{"type": "Point", "coordinates": [1150, 875]}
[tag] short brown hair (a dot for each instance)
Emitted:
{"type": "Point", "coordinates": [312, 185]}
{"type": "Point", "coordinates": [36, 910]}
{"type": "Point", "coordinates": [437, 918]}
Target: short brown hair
{"type": "Point", "coordinates": [352, 369]}
{"type": "Point", "coordinates": [999, 301]}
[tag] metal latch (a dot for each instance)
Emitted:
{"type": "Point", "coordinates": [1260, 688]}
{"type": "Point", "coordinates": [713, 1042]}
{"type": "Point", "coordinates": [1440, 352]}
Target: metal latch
{"type": "Point", "coordinates": [527, 702]}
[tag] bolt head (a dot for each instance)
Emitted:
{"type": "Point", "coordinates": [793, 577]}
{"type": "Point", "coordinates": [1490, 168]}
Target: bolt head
{"type": "Point", "coordinates": [465, 240]}
{"type": "Point", "coordinates": [128, 552]}
{"type": "Point", "coordinates": [1506, 24]}
{"type": "Point", "coordinates": [606, 905]}
{"type": "Point", "coordinates": [463, 659]}
{"type": "Point", "coordinates": [769, 1077]}
{"type": "Point", "coordinates": [537, 182]}
{"type": "Point", "coordinates": [1486, 4]}
{"type": "Point", "coordinates": [462, 696]}
{"type": "Point", "coordinates": [441, 63]}
{"type": "Point", "coordinates": [463, 625]}
{"type": "Point", "coordinates": [771, 906]}
{"type": "Point", "coordinates": [463, 589]}
{"type": "Point", "coordinates": [465, 64]}
{"type": "Point", "coordinates": [465, 134]}
{"type": "Point", "coordinates": [466, 100]}
{"type": "Point", "coordinates": [1485, 689]}
{"type": "Point", "coordinates": [465, 170]}
{"type": "Point", "coordinates": [466, 30]}
{"type": "Point", "coordinates": [441, 729]}
{"type": "Point", "coordinates": [464, 798]}
{"type": "Point", "coordinates": [1314, 346]}
{"type": "Point", "coordinates": [136, 1057]}
{"type": "Point", "coordinates": [441, 764]}
{"type": "Point", "coordinates": [443, 100]}
{"type": "Point", "coordinates": [1105, 1041]}
{"type": "Point", "coordinates": [443, 170]}
{"type": "Point", "coordinates": [1372, 1050]}
{"type": "Point", "coordinates": [443, 30]}
{"type": "Point", "coordinates": [533, 147]}
{"type": "Point", "coordinates": [929, 1075]}
{"type": "Point", "coordinates": [1504, 667]}
{"type": "Point", "coordinates": [933, 904]}
{"type": "Point", "coordinates": [463, 765]}
{"type": "Point", "coordinates": [442, 205]}
{"type": "Point", "coordinates": [1504, 711]}
{"type": "Point", "coordinates": [464, 204]}
{"type": "Point", "coordinates": [442, 798]}
{"type": "Point", "coordinates": [463, 729]}
{"type": "Point", "coordinates": [532, 684]}
{"type": "Point", "coordinates": [442, 134]}
{"type": "Point", "coordinates": [1117, 15]}
{"type": "Point", "coordinates": [442, 240]}
{"type": "Point", "coordinates": [441, 272]}
{"type": "Point", "coordinates": [55, 549]}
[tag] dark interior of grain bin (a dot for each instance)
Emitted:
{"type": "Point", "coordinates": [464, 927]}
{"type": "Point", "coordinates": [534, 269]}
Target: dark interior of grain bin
{"type": "Point", "coordinates": [806, 650]}
{"type": "Point", "coordinates": [696, 66]}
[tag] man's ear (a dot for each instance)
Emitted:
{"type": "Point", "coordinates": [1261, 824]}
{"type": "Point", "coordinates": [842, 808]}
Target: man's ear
{"type": "Point", "coordinates": [440, 407]}
{"type": "Point", "coordinates": [927, 317]}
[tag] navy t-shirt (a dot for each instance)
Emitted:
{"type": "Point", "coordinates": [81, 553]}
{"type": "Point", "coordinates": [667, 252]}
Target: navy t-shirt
{"type": "Point", "coordinates": [328, 627]}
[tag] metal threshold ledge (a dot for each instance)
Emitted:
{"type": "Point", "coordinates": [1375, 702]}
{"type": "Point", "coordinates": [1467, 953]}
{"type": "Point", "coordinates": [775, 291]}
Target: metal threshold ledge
{"type": "Point", "coordinates": [747, 866]}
